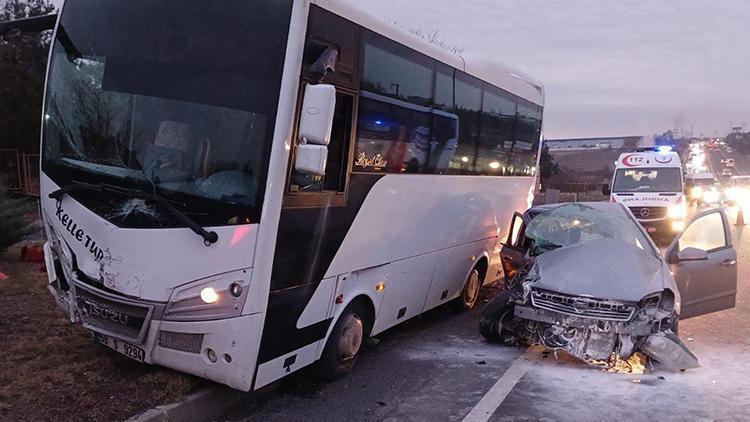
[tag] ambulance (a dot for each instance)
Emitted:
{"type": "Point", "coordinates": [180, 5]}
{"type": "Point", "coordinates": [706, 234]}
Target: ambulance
{"type": "Point", "coordinates": [650, 183]}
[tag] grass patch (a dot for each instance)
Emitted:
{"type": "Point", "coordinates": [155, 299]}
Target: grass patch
{"type": "Point", "coordinates": [51, 369]}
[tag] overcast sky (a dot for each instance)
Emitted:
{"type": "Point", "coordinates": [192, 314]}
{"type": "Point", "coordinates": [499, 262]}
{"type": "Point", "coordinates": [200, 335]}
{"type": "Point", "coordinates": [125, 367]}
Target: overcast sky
{"type": "Point", "coordinates": [610, 68]}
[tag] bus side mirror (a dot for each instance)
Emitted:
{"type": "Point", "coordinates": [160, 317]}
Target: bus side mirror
{"type": "Point", "coordinates": [606, 191]}
{"type": "Point", "coordinates": [315, 126]}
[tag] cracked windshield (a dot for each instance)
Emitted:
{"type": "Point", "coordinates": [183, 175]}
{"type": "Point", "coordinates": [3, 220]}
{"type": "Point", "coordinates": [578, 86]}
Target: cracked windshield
{"type": "Point", "coordinates": [374, 210]}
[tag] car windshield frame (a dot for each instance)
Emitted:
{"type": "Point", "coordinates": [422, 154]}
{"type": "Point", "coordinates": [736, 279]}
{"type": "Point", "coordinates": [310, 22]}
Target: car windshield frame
{"type": "Point", "coordinates": [178, 98]}
{"type": "Point", "coordinates": [553, 228]}
{"type": "Point", "coordinates": [668, 186]}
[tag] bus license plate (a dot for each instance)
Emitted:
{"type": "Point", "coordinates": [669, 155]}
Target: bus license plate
{"type": "Point", "coordinates": [127, 349]}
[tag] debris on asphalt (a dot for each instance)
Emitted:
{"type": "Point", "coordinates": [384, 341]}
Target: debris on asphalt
{"type": "Point", "coordinates": [480, 362]}
{"type": "Point", "coordinates": [632, 365]}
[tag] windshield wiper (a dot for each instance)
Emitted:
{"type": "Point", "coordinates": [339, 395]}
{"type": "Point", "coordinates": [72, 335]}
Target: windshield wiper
{"type": "Point", "coordinates": [209, 237]}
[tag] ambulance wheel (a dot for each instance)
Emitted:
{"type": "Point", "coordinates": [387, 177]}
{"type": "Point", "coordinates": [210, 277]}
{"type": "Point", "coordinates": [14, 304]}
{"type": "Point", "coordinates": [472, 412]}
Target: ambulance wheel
{"type": "Point", "coordinates": [470, 292]}
{"type": "Point", "coordinates": [343, 345]}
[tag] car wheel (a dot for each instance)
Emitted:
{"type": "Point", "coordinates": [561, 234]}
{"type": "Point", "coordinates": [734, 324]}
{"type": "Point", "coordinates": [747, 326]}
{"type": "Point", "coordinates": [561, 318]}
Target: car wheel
{"type": "Point", "coordinates": [470, 292]}
{"type": "Point", "coordinates": [494, 330]}
{"type": "Point", "coordinates": [343, 345]}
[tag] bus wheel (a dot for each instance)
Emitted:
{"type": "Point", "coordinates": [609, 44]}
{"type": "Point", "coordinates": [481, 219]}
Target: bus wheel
{"type": "Point", "coordinates": [470, 292]}
{"type": "Point", "coordinates": [344, 344]}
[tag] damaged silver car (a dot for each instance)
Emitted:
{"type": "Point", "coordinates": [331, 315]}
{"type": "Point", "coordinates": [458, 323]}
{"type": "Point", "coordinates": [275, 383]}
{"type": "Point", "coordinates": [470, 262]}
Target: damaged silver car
{"type": "Point", "coordinates": [587, 279]}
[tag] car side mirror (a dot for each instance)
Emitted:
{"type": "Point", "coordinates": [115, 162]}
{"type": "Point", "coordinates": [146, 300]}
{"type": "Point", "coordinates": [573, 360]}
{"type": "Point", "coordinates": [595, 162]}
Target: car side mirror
{"type": "Point", "coordinates": [692, 254]}
{"type": "Point", "coordinates": [606, 191]}
{"type": "Point", "coordinates": [316, 122]}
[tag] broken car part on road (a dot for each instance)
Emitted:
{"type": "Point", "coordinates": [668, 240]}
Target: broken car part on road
{"type": "Point", "coordinates": [586, 279]}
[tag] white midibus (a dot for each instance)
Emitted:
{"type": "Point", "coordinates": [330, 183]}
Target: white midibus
{"type": "Point", "coordinates": [239, 189]}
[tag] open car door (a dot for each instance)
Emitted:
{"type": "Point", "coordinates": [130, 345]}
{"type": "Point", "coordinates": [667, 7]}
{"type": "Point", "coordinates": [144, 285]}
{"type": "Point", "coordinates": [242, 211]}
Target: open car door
{"type": "Point", "coordinates": [704, 264]}
{"type": "Point", "coordinates": [513, 254]}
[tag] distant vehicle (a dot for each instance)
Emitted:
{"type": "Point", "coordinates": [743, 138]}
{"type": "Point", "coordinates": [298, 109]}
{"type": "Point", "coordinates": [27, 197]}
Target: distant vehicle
{"type": "Point", "coordinates": [723, 161]}
{"type": "Point", "coordinates": [730, 150]}
{"type": "Point", "coordinates": [728, 171]}
{"type": "Point", "coordinates": [729, 162]}
{"type": "Point", "coordinates": [738, 190]}
{"type": "Point", "coordinates": [585, 278]}
{"type": "Point", "coordinates": [703, 188]}
{"type": "Point", "coordinates": [650, 184]}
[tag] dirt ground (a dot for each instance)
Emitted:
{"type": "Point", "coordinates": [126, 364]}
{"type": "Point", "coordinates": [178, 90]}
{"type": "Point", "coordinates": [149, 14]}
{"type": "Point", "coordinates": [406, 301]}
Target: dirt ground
{"type": "Point", "coordinates": [52, 370]}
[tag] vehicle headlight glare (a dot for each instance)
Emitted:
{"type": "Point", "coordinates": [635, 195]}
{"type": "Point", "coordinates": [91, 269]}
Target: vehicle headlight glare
{"type": "Point", "coordinates": [696, 192]}
{"type": "Point", "coordinates": [678, 211]}
{"type": "Point", "coordinates": [209, 295]}
{"type": "Point", "coordinates": [711, 196]}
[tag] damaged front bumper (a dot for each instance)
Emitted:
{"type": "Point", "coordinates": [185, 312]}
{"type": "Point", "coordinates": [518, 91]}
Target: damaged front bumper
{"type": "Point", "coordinates": [186, 346]}
{"type": "Point", "coordinates": [624, 330]}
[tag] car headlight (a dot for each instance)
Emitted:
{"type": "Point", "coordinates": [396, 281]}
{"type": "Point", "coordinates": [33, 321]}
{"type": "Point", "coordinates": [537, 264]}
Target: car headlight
{"type": "Point", "coordinates": [216, 297]}
{"type": "Point", "coordinates": [696, 192]}
{"type": "Point", "coordinates": [737, 194]}
{"type": "Point", "coordinates": [677, 211]}
{"type": "Point", "coordinates": [711, 196]}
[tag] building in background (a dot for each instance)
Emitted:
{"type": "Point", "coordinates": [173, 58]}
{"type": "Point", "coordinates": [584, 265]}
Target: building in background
{"type": "Point", "coordinates": [583, 164]}
{"type": "Point", "coordinates": [586, 144]}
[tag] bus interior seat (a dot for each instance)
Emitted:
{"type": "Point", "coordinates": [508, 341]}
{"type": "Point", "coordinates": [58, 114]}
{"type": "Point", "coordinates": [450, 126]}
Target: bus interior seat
{"type": "Point", "coordinates": [177, 154]}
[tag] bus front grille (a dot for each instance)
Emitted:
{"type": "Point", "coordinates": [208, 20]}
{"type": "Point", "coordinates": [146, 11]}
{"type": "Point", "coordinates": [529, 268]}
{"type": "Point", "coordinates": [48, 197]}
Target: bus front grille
{"type": "Point", "coordinates": [112, 316]}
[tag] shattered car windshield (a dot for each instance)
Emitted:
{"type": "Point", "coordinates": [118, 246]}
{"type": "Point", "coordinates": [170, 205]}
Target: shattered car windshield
{"type": "Point", "coordinates": [573, 224]}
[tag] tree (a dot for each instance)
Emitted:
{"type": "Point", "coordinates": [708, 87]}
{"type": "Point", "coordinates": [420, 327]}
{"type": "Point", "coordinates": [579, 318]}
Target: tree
{"type": "Point", "coordinates": [14, 225]}
{"type": "Point", "coordinates": [547, 165]}
{"type": "Point", "coordinates": [23, 61]}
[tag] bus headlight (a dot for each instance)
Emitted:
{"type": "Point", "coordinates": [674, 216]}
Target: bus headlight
{"type": "Point", "coordinates": [212, 298]}
{"type": "Point", "coordinates": [677, 211]}
{"type": "Point", "coordinates": [208, 295]}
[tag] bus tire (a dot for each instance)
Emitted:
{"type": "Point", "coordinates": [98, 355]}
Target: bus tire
{"type": "Point", "coordinates": [470, 292]}
{"type": "Point", "coordinates": [344, 344]}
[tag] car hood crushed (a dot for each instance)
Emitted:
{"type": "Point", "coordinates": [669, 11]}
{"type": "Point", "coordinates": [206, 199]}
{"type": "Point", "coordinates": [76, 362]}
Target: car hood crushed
{"type": "Point", "coordinates": [602, 268]}
{"type": "Point", "coordinates": [601, 301]}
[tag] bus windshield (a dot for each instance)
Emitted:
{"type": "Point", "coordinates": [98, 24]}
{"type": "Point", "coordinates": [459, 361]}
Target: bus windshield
{"type": "Point", "coordinates": [178, 95]}
{"type": "Point", "coordinates": [663, 179]}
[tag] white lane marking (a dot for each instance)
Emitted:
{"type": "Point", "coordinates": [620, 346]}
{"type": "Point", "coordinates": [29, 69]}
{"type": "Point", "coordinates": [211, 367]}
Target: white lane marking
{"type": "Point", "coordinates": [497, 394]}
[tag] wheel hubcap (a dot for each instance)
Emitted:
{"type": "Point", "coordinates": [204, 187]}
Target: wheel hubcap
{"type": "Point", "coordinates": [351, 337]}
{"type": "Point", "coordinates": [472, 288]}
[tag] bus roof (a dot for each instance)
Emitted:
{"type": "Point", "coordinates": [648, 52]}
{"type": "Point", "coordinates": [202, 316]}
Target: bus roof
{"type": "Point", "coordinates": [487, 70]}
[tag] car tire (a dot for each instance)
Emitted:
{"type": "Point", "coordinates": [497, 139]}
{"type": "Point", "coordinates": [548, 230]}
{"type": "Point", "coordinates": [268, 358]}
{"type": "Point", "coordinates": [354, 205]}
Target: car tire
{"type": "Point", "coordinates": [470, 293]}
{"type": "Point", "coordinates": [494, 313]}
{"type": "Point", "coordinates": [344, 344]}
{"type": "Point", "coordinates": [493, 330]}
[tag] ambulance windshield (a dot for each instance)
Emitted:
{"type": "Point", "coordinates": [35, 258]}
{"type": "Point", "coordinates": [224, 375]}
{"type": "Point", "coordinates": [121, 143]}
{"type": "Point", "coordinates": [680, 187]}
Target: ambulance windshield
{"type": "Point", "coordinates": [662, 179]}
